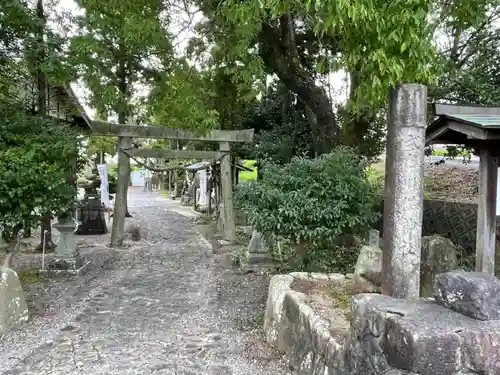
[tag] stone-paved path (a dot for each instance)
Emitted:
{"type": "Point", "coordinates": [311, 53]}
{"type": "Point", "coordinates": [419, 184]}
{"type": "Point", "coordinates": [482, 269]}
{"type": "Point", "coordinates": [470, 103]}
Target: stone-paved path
{"type": "Point", "coordinates": [158, 309]}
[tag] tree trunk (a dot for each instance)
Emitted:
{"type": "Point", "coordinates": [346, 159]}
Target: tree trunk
{"type": "Point", "coordinates": [27, 229]}
{"type": "Point", "coordinates": [315, 130]}
{"type": "Point", "coordinates": [121, 207]}
{"type": "Point", "coordinates": [279, 53]}
{"type": "Point", "coordinates": [357, 126]}
{"type": "Point", "coordinates": [118, 227]}
{"type": "Point", "coordinates": [42, 111]}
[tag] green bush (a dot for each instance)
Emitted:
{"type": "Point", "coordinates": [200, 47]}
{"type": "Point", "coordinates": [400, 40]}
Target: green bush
{"type": "Point", "coordinates": [312, 202]}
{"type": "Point", "coordinates": [35, 165]}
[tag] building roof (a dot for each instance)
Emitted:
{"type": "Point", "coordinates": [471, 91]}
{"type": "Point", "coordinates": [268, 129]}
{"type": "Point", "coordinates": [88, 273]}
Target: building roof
{"type": "Point", "coordinates": [467, 125]}
{"type": "Point", "coordinates": [478, 120]}
{"type": "Point", "coordinates": [78, 106]}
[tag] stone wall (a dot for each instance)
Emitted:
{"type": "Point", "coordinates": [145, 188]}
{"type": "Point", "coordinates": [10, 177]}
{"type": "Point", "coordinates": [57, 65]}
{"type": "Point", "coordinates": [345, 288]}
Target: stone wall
{"type": "Point", "coordinates": [454, 220]}
{"type": "Point", "coordinates": [386, 336]}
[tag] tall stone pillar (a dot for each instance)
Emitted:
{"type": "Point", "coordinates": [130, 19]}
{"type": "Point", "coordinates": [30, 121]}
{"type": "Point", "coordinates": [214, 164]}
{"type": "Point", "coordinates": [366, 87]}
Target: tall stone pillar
{"type": "Point", "coordinates": [404, 190]}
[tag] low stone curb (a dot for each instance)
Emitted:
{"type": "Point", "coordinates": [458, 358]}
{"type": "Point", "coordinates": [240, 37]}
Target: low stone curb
{"type": "Point", "coordinates": [292, 327]}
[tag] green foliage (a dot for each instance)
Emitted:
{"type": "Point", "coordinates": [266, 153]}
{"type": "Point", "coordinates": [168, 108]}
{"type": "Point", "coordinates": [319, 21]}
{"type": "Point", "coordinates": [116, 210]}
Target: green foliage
{"type": "Point", "coordinates": [112, 41]}
{"type": "Point", "coordinates": [454, 153]}
{"type": "Point", "coordinates": [96, 144]}
{"type": "Point", "coordinates": [470, 54]}
{"type": "Point", "coordinates": [312, 202]}
{"type": "Point", "coordinates": [282, 130]}
{"type": "Point", "coordinates": [35, 165]}
{"type": "Point", "coordinates": [181, 99]}
{"type": "Point", "coordinates": [389, 42]}
{"type": "Point", "coordinates": [249, 176]}
{"type": "Point", "coordinates": [121, 45]}
{"type": "Point", "coordinates": [18, 22]}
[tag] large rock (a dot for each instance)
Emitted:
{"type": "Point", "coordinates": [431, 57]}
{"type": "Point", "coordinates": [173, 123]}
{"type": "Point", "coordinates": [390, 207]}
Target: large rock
{"type": "Point", "coordinates": [13, 308]}
{"type": "Point", "coordinates": [420, 337]}
{"type": "Point", "coordinates": [439, 255]}
{"type": "Point", "coordinates": [369, 264]}
{"type": "Point", "coordinates": [474, 294]}
{"type": "Point", "coordinates": [369, 261]}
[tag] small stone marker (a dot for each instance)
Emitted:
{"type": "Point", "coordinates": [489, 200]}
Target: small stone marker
{"type": "Point", "coordinates": [13, 308]}
{"type": "Point", "coordinates": [369, 264]}
{"type": "Point", "coordinates": [374, 238]}
{"type": "Point", "coordinates": [257, 243]}
{"type": "Point", "coordinates": [439, 255]}
{"type": "Point", "coordinates": [473, 294]}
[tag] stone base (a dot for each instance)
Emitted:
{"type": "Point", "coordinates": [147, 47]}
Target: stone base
{"type": "Point", "coordinates": [187, 201]}
{"type": "Point", "coordinates": [202, 208]}
{"type": "Point", "coordinates": [386, 336]}
{"type": "Point", "coordinates": [65, 272]}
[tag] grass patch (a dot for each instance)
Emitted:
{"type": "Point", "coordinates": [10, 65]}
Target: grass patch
{"type": "Point", "coordinates": [444, 153]}
{"type": "Point", "coordinates": [31, 276]}
{"type": "Point", "coordinates": [248, 176]}
{"type": "Point", "coordinates": [341, 298]}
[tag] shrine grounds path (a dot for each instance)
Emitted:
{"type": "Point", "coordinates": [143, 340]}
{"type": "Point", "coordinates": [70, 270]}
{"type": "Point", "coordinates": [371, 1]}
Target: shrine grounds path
{"type": "Point", "coordinates": [168, 306]}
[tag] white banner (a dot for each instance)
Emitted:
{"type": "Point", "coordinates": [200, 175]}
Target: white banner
{"type": "Point", "coordinates": [103, 175]}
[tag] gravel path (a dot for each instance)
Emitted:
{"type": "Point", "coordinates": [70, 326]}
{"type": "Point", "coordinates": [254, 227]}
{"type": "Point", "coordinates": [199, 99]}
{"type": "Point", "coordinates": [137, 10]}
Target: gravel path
{"type": "Point", "coordinates": [168, 306]}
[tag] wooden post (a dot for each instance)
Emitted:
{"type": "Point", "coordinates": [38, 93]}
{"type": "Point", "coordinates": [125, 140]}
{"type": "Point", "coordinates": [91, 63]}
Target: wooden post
{"type": "Point", "coordinates": [227, 192]}
{"type": "Point", "coordinates": [169, 183]}
{"type": "Point", "coordinates": [404, 191]}
{"type": "Point", "coordinates": [118, 229]}
{"type": "Point", "coordinates": [210, 186]}
{"type": "Point", "coordinates": [194, 192]}
{"type": "Point", "coordinates": [175, 191]}
{"type": "Point", "coordinates": [236, 172]}
{"type": "Point", "coordinates": [486, 211]}
{"type": "Point", "coordinates": [150, 177]}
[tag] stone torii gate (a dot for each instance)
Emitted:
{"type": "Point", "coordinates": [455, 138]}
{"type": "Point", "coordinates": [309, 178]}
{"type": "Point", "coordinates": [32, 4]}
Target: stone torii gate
{"type": "Point", "coordinates": [126, 133]}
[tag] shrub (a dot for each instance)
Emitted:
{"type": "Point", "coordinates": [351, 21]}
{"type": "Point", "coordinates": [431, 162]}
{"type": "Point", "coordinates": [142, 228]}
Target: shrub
{"type": "Point", "coordinates": [35, 165]}
{"type": "Point", "coordinates": [312, 202]}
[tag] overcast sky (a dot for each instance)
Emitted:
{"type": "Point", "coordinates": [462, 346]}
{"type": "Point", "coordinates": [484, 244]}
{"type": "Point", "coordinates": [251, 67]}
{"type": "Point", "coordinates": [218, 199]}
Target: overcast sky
{"type": "Point", "coordinates": [337, 80]}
